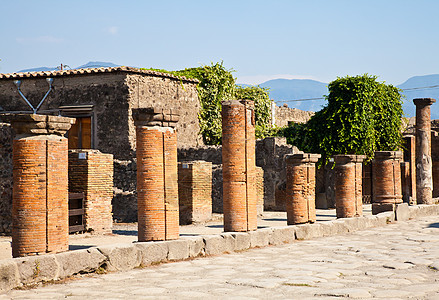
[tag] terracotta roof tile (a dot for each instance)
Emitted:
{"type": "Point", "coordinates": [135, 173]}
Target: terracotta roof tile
{"type": "Point", "coordinates": [92, 71]}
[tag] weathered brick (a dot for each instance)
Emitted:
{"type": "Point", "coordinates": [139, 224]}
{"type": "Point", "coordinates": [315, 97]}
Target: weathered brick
{"type": "Point", "coordinates": [386, 176]}
{"type": "Point", "coordinates": [348, 185]}
{"type": "Point", "coordinates": [195, 191]}
{"type": "Point", "coordinates": [239, 173]}
{"type": "Point", "coordinates": [40, 199]}
{"type": "Point", "coordinates": [424, 182]}
{"type": "Point", "coordinates": [92, 174]}
{"type": "Point", "coordinates": [301, 188]}
{"type": "Point", "coordinates": [157, 187]}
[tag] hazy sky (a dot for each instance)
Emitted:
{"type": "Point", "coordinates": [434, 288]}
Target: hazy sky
{"type": "Point", "coordinates": [394, 39]}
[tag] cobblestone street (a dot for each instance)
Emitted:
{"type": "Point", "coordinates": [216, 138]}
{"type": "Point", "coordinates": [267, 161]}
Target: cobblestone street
{"type": "Point", "coordinates": [398, 261]}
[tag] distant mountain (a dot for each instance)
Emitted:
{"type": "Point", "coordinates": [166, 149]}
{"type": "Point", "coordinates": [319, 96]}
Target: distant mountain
{"type": "Point", "coordinates": [90, 64]}
{"type": "Point", "coordinates": [97, 64]}
{"type": "Point", "coordinates": [39, 69]}
{"type": "Point", "coordinates": [282, 90]}
{"type": "Point", "coordinates": [411, 92]}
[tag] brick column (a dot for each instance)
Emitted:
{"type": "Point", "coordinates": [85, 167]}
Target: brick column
{"type": "Point", "coordinates": [424, 182]}
{"type": "Point", "coordinates": [157, 187]}
{"type": "Point", "coordinates": [348, 185]}
{"type": "Point", "coordinates": [239, 167]}
{"type": "Point", "coordinates": [40, 191]}
{"type": "Point", "coordinates": [386, 176]}
{"type": "Point", "coordinates": [435, 160]}
{"type": "Point", "coordinates": [301, 188]}
{"type": "Point", "coordinates": [91, 173]}
{"type": "Point", "coordinates": [409, 195]}
{"type": "Point", "coordinates": [195, 191]}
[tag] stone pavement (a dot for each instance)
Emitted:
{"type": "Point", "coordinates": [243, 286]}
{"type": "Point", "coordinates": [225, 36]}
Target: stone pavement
{"type": "Point", "coordinates": [397, 261]}
{"type": "Point", "coordinates": [127, 232]}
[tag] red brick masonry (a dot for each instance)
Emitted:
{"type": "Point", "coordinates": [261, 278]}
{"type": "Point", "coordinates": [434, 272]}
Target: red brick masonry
{"type": "Point", "coordinates": [348, 185]}
{"type": "Point", "coordinates": [239, 166]}
{"type": "Point", "coordinates": [195, 191]}
{"type": "Point", "coordinates": [157, 187]}
{"type": "Point", "coordinates": [91, 172]}
{"type": "Point", "coordinates": [40, 192]}
{"type": "Point", "coordinates": [301, 188]}
{"type": "Point", "coordinates": [386, 176]}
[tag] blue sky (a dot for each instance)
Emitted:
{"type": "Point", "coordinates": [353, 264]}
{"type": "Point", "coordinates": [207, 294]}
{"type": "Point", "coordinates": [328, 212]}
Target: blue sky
{"type": "Point", "coordinates": [259, 39]}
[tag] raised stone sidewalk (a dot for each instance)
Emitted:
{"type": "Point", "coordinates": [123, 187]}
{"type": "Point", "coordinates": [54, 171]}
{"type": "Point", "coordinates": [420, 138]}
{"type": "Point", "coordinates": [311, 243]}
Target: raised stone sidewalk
{"type": "Point", "coordinates": [121, 257]}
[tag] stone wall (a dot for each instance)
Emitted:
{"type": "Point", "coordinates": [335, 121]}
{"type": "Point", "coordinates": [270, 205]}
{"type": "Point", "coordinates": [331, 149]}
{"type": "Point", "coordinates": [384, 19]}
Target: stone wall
{"type": "Point", "coordinates": [283, 115]}
{"type": "Point", "coordinates": [113, 94]}
{"type": "Point", "coordinates": [6, 136]}
{"type": "Point", "coordinates": [270, 154]}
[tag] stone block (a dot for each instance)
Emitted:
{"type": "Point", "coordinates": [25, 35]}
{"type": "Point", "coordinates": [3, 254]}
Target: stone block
{"type": "Point", "coordinates": [9, 278]}
{"type": "Point", "coordinates": [327, 228]}
{"type": "Point", "coordinates": [229, 242]}
{"type": "Point", "coordinates": [33, 269]}
{"type": "Point", "coordinates": [196, 245]}
{"type": "Point", "coordinates": [152, 252]}
{"type": "Point", "coordinates": [260, 237]}
{"type": "Point", "coordinates": [402, 212]}
{"type": "Point", "coordinates": [214, 244]}
{"type": "Point", "coordinates": [340, 226]}
{"type": "Point", "coordinates": [308, 231]}
{"type": "Point", "coordinates": [121, 257]}
{"type": "Point", "coordinates": [282, 235]}
{"type": "Point", "coordinates": [356, 223]}
{"type": "Point", "coordinates": [178, 249]}
{"type": "Point", "coordinates": [385, 218]}
{"type": "Point", "coordinates": [242, 240]}
{"type": "Point", "coordinates": [79, 261]}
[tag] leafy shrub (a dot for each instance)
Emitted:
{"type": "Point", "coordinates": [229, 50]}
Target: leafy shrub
{"type": "Point", "coordinates": [362, 116]}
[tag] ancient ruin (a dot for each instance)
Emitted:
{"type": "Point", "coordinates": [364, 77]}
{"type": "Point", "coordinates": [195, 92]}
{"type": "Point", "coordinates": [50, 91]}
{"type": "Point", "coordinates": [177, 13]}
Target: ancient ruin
{"type": "Point", "coordinates": [40, 192]}
{"type": "Point", "coordinates": [239, 166]}
{"type": "Point", "coordinates": [157, 187]}
{"type": "Point", "coordinates": [348, 185]}
{"type": "Point", "coordinates": [301, 182]}
{"type": "Point", "coordinates": [424, 180]}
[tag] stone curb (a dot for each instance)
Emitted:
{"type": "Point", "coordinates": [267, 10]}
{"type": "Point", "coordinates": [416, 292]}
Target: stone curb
{"type": "Point", "coordinates": [121, 257]}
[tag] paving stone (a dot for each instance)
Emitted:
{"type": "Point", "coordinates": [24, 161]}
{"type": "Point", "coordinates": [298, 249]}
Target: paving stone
{"type": "Point", "coordinates": [260, 237]}
{"type": "Point", "coordinates": [8, 274]}
{"type": "Point", "coordinates": [196, 245]}
{"type": "Point", "coordinates": [242, 240]}
{"type": "Point", "coordinates": [402, 212]}
{"type": "Point", "coordinates": [121, 257]}
{"type": "Point", "coordinates": [84, 261]}
{"type": "Point", "coordinates": [282, 235]}
{"type": "Point", "coordinates": [152, 252]}
{"type": "Point", "coordinates": [34, 269]}
{"type": "Point", "coordinates": [346, 293]}
{"type": "Point", "coordinates": [178, 249]}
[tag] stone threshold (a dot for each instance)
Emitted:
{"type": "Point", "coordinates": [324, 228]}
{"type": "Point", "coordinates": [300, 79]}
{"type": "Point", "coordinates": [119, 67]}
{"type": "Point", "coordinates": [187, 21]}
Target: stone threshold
{"type": "Point", "coordinates": [31, 270]}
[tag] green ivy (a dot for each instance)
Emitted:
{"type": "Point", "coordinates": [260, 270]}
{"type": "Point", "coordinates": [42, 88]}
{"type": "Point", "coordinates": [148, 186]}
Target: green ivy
{"type": "Point", "coordinates": [217, 84]}
{"type": "Point", "coordinates": [362, 116]}
{"type": "Point", "coordinates": [262, 108]}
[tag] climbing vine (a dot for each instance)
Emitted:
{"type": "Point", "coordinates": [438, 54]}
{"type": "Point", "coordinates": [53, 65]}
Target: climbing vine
{"type": "Point", "coordinates": [216, 84]}
{"type": "Point", "coordinates": [362, 116]}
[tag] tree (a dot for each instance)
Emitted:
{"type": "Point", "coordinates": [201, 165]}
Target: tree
{"type": "Point", "coordinates": [362, 116]}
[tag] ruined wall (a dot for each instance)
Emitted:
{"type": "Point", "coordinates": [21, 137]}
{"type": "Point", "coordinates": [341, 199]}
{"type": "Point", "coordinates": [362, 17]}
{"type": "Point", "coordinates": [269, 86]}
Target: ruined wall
{"type": "Point", "coordinates": [113, 95]}
{"type": "Point", "coordinates": [168, 93]}
{"type": "Point", "coordinates": [108, 92]}
{"type": "Point", "coordinates": [6, 136]}
{"type": "Point", "coordinates": [284, 114]}
{"type": "Point", "coordinates": [270, 154]}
